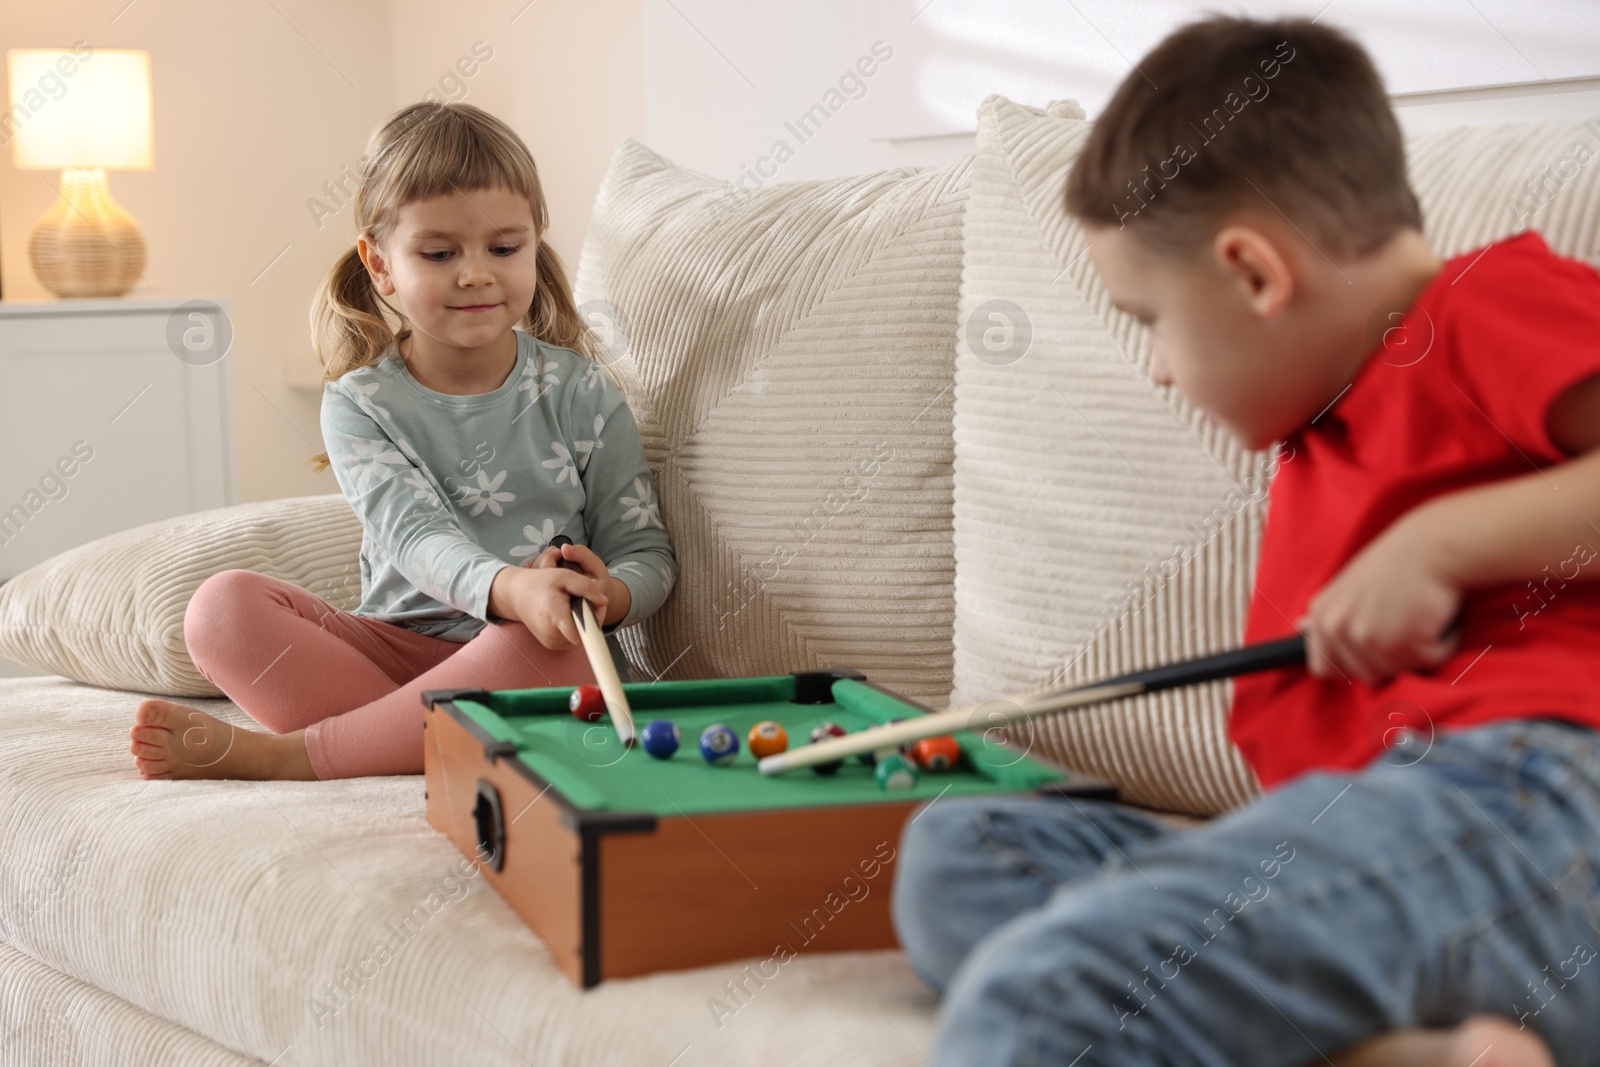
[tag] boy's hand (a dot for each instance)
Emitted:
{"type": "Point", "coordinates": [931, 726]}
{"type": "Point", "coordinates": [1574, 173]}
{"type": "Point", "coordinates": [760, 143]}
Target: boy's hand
{"type": "Point", "coordinates": [1386, 611]}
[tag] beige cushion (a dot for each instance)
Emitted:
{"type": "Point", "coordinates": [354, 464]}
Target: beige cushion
{"type": "Point", "coordinates": [1480, 183]}
{"type": "Point", "coordinates": [1101, 524]}
{"type": "Point", "coordinates": [1076, 484]}
{"type": "Point", "coordinates": [787, 354]}
{"type": "Point", "coordinates": [110, 613]}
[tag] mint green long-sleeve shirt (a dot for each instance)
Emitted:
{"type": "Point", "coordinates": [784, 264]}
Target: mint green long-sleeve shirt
{"type": "Point", "coordinates": [450, 489]}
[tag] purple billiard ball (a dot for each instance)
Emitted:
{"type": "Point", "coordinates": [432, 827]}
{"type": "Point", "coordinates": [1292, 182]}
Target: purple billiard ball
{"type": "Point", "coordinates": [660, 738]}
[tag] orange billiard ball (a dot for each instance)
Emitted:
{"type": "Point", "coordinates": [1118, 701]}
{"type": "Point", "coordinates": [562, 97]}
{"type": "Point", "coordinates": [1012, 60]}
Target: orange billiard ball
{"type": "Point", "coordinates": [767, 738]}
{"type": "Point", "coordinates": [936, 754]}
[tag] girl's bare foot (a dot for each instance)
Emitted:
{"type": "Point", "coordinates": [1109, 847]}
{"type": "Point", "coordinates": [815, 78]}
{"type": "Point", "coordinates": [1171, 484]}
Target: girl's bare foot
{"type": "Point", "coordinates": [1481, 1041]}
{"type": "Point", "coordinates": [176, 741]}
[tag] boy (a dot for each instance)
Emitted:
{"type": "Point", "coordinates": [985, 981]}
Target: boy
{"type": "Point", "coordinates": [1418, 882]}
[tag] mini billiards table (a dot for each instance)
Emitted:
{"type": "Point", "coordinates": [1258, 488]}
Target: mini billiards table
{"type": "Point", "coordinates": [625, 864]}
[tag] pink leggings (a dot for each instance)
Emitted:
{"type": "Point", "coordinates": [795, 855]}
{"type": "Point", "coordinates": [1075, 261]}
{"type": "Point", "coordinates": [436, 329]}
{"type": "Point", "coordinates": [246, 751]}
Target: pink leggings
{"type": "Point", "coordinates": [292, 661]}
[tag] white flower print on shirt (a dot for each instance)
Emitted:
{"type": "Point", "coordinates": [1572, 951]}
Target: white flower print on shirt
{"type": "Point", "coordinates": [371, 463]}
{"type": "Point", "coordinates": [364, 401]}
{"type": "Point", "coordinates": [434, 575]}
{"type": "Point", "coordinates": [662, 574]}
{"type": "Point", "coordinates": [423, 489]}
{"type": "Point", "coordinates": [586, 449]}
{"type": "Point", "coordinates": [591, 376]}
{"type": "Point", "coordinates": [539, 538]}
{"type": "Point", "coordinates": [485, 494]}
{"type": "Point", "coordinates": [538, 375]}
{"type": "Point", "coordinates": [425, 484]}
{"type": "Point", "coordinates": [562, 464]}
{"type": "Point", "coordinates": [641, 506]}
{"type": "Point", "coordinates": [376, 550]}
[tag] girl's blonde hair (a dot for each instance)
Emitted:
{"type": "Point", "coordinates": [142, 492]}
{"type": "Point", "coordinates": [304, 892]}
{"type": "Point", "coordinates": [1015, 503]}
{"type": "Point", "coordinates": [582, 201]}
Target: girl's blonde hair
{"type": "Point", "coordinates": [422, 151]}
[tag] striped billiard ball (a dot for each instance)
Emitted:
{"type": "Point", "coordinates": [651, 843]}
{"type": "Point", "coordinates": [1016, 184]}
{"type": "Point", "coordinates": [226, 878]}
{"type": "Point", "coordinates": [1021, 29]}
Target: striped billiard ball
{"type": "Point", "coordinates": [718, 744]}
{"type": "Point", "coordinates": [895, 773]}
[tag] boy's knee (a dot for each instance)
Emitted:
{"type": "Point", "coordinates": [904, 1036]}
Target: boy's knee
{"type": "Point", "coordinates": [935, 833]}
{"type": "Point", "coordinates": [921, 905]}
{"type": "Point", "coordinates": [1032, 989]}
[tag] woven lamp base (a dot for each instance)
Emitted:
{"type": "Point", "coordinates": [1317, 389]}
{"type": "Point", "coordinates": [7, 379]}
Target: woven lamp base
{"type": "Point", "coordinates": [86, 245]}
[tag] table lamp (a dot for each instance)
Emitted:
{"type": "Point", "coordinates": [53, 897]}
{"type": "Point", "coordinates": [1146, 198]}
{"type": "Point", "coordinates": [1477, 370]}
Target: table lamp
{"type": "Point", "coordinates": [81, 112]}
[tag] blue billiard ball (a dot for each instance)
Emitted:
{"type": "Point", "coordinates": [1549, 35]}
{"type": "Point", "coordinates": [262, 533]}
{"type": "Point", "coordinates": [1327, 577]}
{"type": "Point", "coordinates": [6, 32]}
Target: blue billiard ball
{"type": "Point", "coordinates": [660, 738]}
{"type": "Point", "coordinates": [718, 744]}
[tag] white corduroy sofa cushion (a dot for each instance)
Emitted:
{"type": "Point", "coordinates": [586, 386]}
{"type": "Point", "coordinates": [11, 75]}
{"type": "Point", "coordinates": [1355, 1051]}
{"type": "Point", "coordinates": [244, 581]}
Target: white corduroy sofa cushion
{"type": "Point", "coordinates": [325, 924]}
{"type": "Point", "coordinates": [787, 354]}
{"type": "Point", "coordinates": [1137, 521]}
{"type": "Point", "coordinates": [110, 613]}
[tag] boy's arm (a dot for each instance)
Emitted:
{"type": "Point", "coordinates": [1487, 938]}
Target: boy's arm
{"type": "Point", "coordinates": [1385, 611]}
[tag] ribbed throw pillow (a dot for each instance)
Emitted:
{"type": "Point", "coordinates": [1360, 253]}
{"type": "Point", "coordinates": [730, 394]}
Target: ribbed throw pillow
{"type": "Point", "coordinates": [1102, 524]}
{"type": "Point", "coordinates": [787, 351]}
{"type": "Point", "coordinates": [110, 613]}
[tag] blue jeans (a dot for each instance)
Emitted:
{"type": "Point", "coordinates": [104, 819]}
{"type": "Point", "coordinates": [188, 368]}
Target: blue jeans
{"type": "Point", "coordinates": [1415, 892]}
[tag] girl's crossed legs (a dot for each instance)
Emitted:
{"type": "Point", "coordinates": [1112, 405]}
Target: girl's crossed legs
{"type": "Point", "coordinates": [340, 693]}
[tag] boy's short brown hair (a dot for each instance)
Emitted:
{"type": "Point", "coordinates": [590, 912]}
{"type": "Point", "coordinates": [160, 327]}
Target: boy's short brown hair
{"type": "Point", "coordinates": [1226, 113]}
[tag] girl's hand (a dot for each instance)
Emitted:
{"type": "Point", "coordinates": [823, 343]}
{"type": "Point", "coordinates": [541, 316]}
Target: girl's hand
{"type": "Point", "coordinates": [541, 598]}
{"type": "Point", "coordinates": [592, 566]}
{"type": "Point", "coordinates": [1386, 611]}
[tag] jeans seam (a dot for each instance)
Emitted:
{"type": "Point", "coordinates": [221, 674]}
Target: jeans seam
{"type": "Point", "coordinates": [998, 845]}
{"type": "Point", "coordinates": [1457, 941]}
{"type": "Point", "coordinates": [1389, 870]}
{"type": "Point", "coordinates": [1012, 854]}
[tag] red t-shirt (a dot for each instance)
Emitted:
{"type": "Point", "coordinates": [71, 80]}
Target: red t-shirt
{"type": "Point", "coordinates": [1458, 399]}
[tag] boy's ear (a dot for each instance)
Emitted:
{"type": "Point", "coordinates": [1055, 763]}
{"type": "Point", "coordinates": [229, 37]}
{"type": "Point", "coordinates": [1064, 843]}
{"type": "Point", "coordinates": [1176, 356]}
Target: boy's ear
{"type": "Point", "coordinates": [1254, 263]}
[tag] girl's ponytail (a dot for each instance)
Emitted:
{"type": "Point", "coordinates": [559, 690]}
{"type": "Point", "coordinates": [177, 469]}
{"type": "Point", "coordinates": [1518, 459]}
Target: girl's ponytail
{"type": "Point", "coordinates": [348, 328]}
{"type": "Point", "coordinates": [554, 317]}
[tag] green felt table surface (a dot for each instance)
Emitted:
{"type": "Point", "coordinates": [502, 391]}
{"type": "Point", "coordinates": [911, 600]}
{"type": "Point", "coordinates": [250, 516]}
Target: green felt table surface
{"type": "Point", "coordinates": [591, 769]}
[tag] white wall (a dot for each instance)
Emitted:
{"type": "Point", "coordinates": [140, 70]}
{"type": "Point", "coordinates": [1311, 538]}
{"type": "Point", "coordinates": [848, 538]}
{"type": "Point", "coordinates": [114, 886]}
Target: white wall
{"type": "Point", "coordinates": [723, 76]}
{"type": "Point", "coordinates": [261, 111]}
{"type": "Point", "coordinates": [259, 106]}
{"type": "Point", "coordinates": [255, 106]}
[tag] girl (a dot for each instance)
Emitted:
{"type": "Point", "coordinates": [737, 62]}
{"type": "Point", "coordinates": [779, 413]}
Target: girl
{"type": "Point", "coordinates": [465, 446]}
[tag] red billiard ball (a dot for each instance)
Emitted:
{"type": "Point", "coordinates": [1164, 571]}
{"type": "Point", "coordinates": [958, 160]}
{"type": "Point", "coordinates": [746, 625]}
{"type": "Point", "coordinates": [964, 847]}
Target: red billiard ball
{"type": "Point", "coordinates": [822, 732]}
{"type": "Point", "coordinates": [587, 703]}
{"type": "Point", "coordinates": [936, 754]}
{"type": "Point", "coordinates": [767, 738]}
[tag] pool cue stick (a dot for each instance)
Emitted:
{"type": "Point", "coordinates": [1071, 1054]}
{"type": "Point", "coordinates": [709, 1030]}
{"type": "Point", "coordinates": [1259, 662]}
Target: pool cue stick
{"type": "Point", "coordinates": [599, 653]}
{"type": "Point", "coordinates": [1268, 655]}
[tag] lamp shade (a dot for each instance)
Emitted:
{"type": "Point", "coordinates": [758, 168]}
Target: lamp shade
{"type": "Point", "coordinates": [80, 108]}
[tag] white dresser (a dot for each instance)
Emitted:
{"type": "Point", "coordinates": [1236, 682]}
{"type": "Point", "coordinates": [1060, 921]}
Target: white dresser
{"type": "Point", "coordinates": [113, 413]}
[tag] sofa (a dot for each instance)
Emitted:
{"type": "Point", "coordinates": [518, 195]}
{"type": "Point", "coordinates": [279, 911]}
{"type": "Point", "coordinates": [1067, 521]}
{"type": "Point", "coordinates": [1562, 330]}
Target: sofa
{"type": "Point", "coordinates": [894, 424]}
